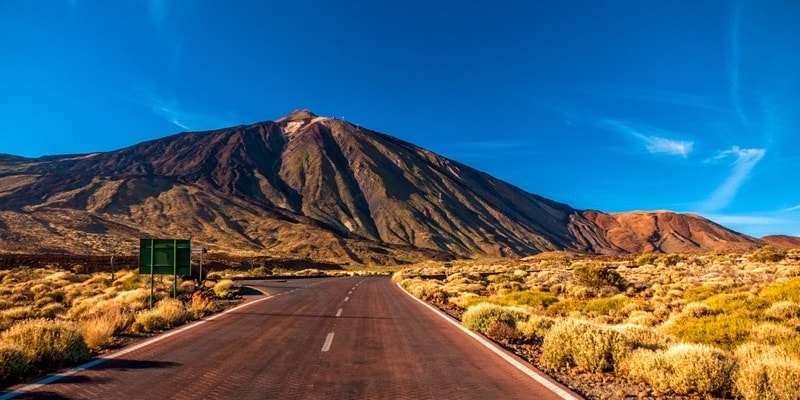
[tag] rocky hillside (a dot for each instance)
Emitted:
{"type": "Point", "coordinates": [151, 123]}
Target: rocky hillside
{"type": "Point", "coordinates": [309, 187]}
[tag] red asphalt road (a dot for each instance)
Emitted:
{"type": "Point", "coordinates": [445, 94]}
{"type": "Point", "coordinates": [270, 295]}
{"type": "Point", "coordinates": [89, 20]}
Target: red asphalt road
{"type": "Point", "coordinates": [327, 338]}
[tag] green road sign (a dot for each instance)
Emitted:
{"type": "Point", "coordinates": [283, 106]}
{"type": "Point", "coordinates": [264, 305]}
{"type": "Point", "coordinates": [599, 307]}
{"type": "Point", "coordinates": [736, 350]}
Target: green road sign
{"type": "Point", "coordinates": [165, 257]}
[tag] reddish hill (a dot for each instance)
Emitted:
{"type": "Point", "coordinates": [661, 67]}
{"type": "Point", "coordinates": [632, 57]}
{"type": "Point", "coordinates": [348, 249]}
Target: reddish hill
{"type": "Point", "coordinates": [782, 241]}
{"type": "Point", "coordinates": [662, 231]}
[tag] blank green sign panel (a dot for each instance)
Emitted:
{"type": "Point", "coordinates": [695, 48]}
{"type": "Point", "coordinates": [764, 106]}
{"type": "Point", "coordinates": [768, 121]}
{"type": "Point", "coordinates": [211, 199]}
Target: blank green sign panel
{"type": "Point", "coordinates": [165, 256]}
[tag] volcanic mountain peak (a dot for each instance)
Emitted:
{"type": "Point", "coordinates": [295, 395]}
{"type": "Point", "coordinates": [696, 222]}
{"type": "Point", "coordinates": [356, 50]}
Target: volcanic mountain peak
{"type": "Point", "coordinates": [310, 187]}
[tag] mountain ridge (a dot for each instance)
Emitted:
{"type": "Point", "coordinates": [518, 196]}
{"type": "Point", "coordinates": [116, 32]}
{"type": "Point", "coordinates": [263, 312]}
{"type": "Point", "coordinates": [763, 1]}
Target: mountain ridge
{"type": "Point", "coordinates": [306, 186]}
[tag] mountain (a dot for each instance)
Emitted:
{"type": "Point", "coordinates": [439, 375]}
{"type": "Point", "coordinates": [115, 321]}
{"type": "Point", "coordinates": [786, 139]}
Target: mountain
{"type": "Point", "coordinates": [309, 187]}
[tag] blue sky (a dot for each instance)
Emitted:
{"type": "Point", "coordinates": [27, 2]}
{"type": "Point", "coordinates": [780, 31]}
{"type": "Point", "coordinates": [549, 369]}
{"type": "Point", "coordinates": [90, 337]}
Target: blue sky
{"type": "Point", "coordinates": [690, 106]}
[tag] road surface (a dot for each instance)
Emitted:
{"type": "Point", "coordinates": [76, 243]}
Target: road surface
{"type": "Point", "coordinates": [322, 338]}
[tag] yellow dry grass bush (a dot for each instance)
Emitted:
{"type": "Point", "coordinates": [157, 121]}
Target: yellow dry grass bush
{"type": "Point", "coordinates": [683, 369]}
{"type": "Point", "coordinates": [586, 346]}
{"type": "Point", "coordinates": [166, 314]}
{"type": "Point", "coordinates": [464, 300]}
{"type": "Point", "coordinates": [772, 334]}
{"type": "Point", "coordinates": [201, 305]}
{"type": "Point", "coordinates": [47, 343]}
{"type": "Point", "coordinates": [767, 372]}
{"type": "Point", "coordinates": [637, 336]}
{"type": "Point", "coordinates": [783, 310]}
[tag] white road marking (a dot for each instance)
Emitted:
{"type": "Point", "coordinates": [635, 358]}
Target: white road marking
{"type": "Point", "coordinates": [328, 341]}
{"type": "Point", "coordinates": [339, 313]}
{"type": "Point", "coordinates": [494, 348]}
{"type": "Point", "coordinates": [347, 298]}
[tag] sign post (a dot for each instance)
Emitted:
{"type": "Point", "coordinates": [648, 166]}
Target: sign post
{"type": "Point", "coordinates": [164, 257]}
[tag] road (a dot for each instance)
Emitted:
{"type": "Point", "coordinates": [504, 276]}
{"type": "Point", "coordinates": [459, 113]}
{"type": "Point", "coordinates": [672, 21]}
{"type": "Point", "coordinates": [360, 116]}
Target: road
{"type": "Point", "coordinates": [322, 338]}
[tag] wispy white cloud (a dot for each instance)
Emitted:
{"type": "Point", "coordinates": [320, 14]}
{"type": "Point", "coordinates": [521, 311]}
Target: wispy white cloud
{"type": "Point", "coordinates": [744, 162]}
{"type": "Point", "coordinates": [173, 112]}
{"type": "Point", "coordinates": [792, 209]}
{"type": "Point", "coordinates": [653, 139]}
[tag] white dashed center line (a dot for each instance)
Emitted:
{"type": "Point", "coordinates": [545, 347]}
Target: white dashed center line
{"type": "Point", "coordinates": [339, 313]}
{"type": "Point", "coordinates": [347, 298]}
{"type": "Point", "coordinates": [328, 341]}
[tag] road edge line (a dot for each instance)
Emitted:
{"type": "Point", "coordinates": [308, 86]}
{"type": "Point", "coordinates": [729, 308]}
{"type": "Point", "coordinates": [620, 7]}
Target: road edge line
{"type": "Point", "coordinates": [538, 377]}
{"type": "Point", "coordinates": [58, 376]}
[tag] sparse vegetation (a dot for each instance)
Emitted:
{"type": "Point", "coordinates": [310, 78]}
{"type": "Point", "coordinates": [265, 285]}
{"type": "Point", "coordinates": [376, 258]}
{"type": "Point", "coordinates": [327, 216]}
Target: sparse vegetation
{"type": "Point", "coordinates": [54, 318]}
{"type": "Point", "coordinates": [710, 325]}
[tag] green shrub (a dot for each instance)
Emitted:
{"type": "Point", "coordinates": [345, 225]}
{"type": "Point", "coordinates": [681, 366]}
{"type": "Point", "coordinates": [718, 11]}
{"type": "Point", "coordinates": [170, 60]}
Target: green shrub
{"type": "Point", "coordinates": [671, 259]}
{"type": "Point", "coordinates": [587, 347]}
{"type": "Point", "coordinates": [535, 328]}
{"type": "Point", "coordinates": [700, 293]}
{"type": "Point", "coordinates": [646, 259]}
{"type": "Point", "coordinates": [47, 344]}
{"type": "Point", "coordinates": [768, 254]}
{"type": "Point", "coordinates": [481, 316]}
{"type": "Point", "coordinates": [607, 306]}
{"type": "Point", "coordinates": [788, 290]}
{"type": "Point", "coordinates": [684, 369]}
{"type": "Point", "coordinates": [222, 288]}
{"type": "Point", "coordinates": [740, 303]}
{"type": "Point", "coordinates": [566, 307]}
{"type": "Point", "coordinates": [723, 330]}
{"type": "Point", "coordinates": [530, 298]}
{"type": "Point", "coordinates": [597, 276]}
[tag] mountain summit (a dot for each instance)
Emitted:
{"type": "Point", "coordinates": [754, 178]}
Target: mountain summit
{"type": "Point", "coordinates": [306, 186]}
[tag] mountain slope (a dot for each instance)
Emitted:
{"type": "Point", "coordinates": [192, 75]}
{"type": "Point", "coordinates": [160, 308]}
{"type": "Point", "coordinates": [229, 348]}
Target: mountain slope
{"type": "Point", "coordinates": [305, 187]}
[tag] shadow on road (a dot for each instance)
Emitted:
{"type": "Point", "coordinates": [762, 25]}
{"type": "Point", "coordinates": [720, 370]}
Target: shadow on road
{"type": "Point", "coordinates": [121, 364]}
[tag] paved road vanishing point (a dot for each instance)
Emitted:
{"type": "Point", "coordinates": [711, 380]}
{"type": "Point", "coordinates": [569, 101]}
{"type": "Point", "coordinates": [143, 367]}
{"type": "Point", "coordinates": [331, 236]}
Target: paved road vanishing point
{"type": "Point", "coordinates": [321, 338]}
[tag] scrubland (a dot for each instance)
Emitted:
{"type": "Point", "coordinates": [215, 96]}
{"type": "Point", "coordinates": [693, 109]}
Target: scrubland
{"type": "Point", "coordinates": [54, 318]}
{"type": "Point", "coordinates": [653, 326]}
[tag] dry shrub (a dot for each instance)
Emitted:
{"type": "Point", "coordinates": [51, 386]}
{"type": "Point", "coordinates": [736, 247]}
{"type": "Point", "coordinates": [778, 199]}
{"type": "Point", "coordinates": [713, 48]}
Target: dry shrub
{"type": "Point", "coordinates": [535, 328]}
{"type": "Point", "coordinates": [479, 317]}
{"type": "Point", "coordinates": [772, 334]}
{"type": "Point", "coordinates": [463, 300]}
{"type": "Point", "coordinates": [697, 310]}
{"type": "Point", "coordinates": [784, 310]}
{"type": "Point", "coordinates": [767, 372]}
{"type": "Point", "coordinates": [683, 369]}
{"type": "Point", "coordinates": [586, 346]}
{"type": "Point", "coordinates": [13, 364]}
{"type": "Point", "coordinates": [503, 332]}
{"type": "Point", "coordinates": [427, 290]}
{"type": "Point", "coordinates": [642, 318]}
{"type": "Point", "coordinates": [201, 305]}
{"type": "Point", "coordinates": [46, 343]}
{"type": "Point", "coordinates": [136, 299]}
{"type": "Point", "coordinates": [166, 314]}
{"type": "Point", "coordinates": [637, 336]}
{"type": "Point", "coordinates": [52, 310]}
{"type": "Point", "coordinates": [105, 320]}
